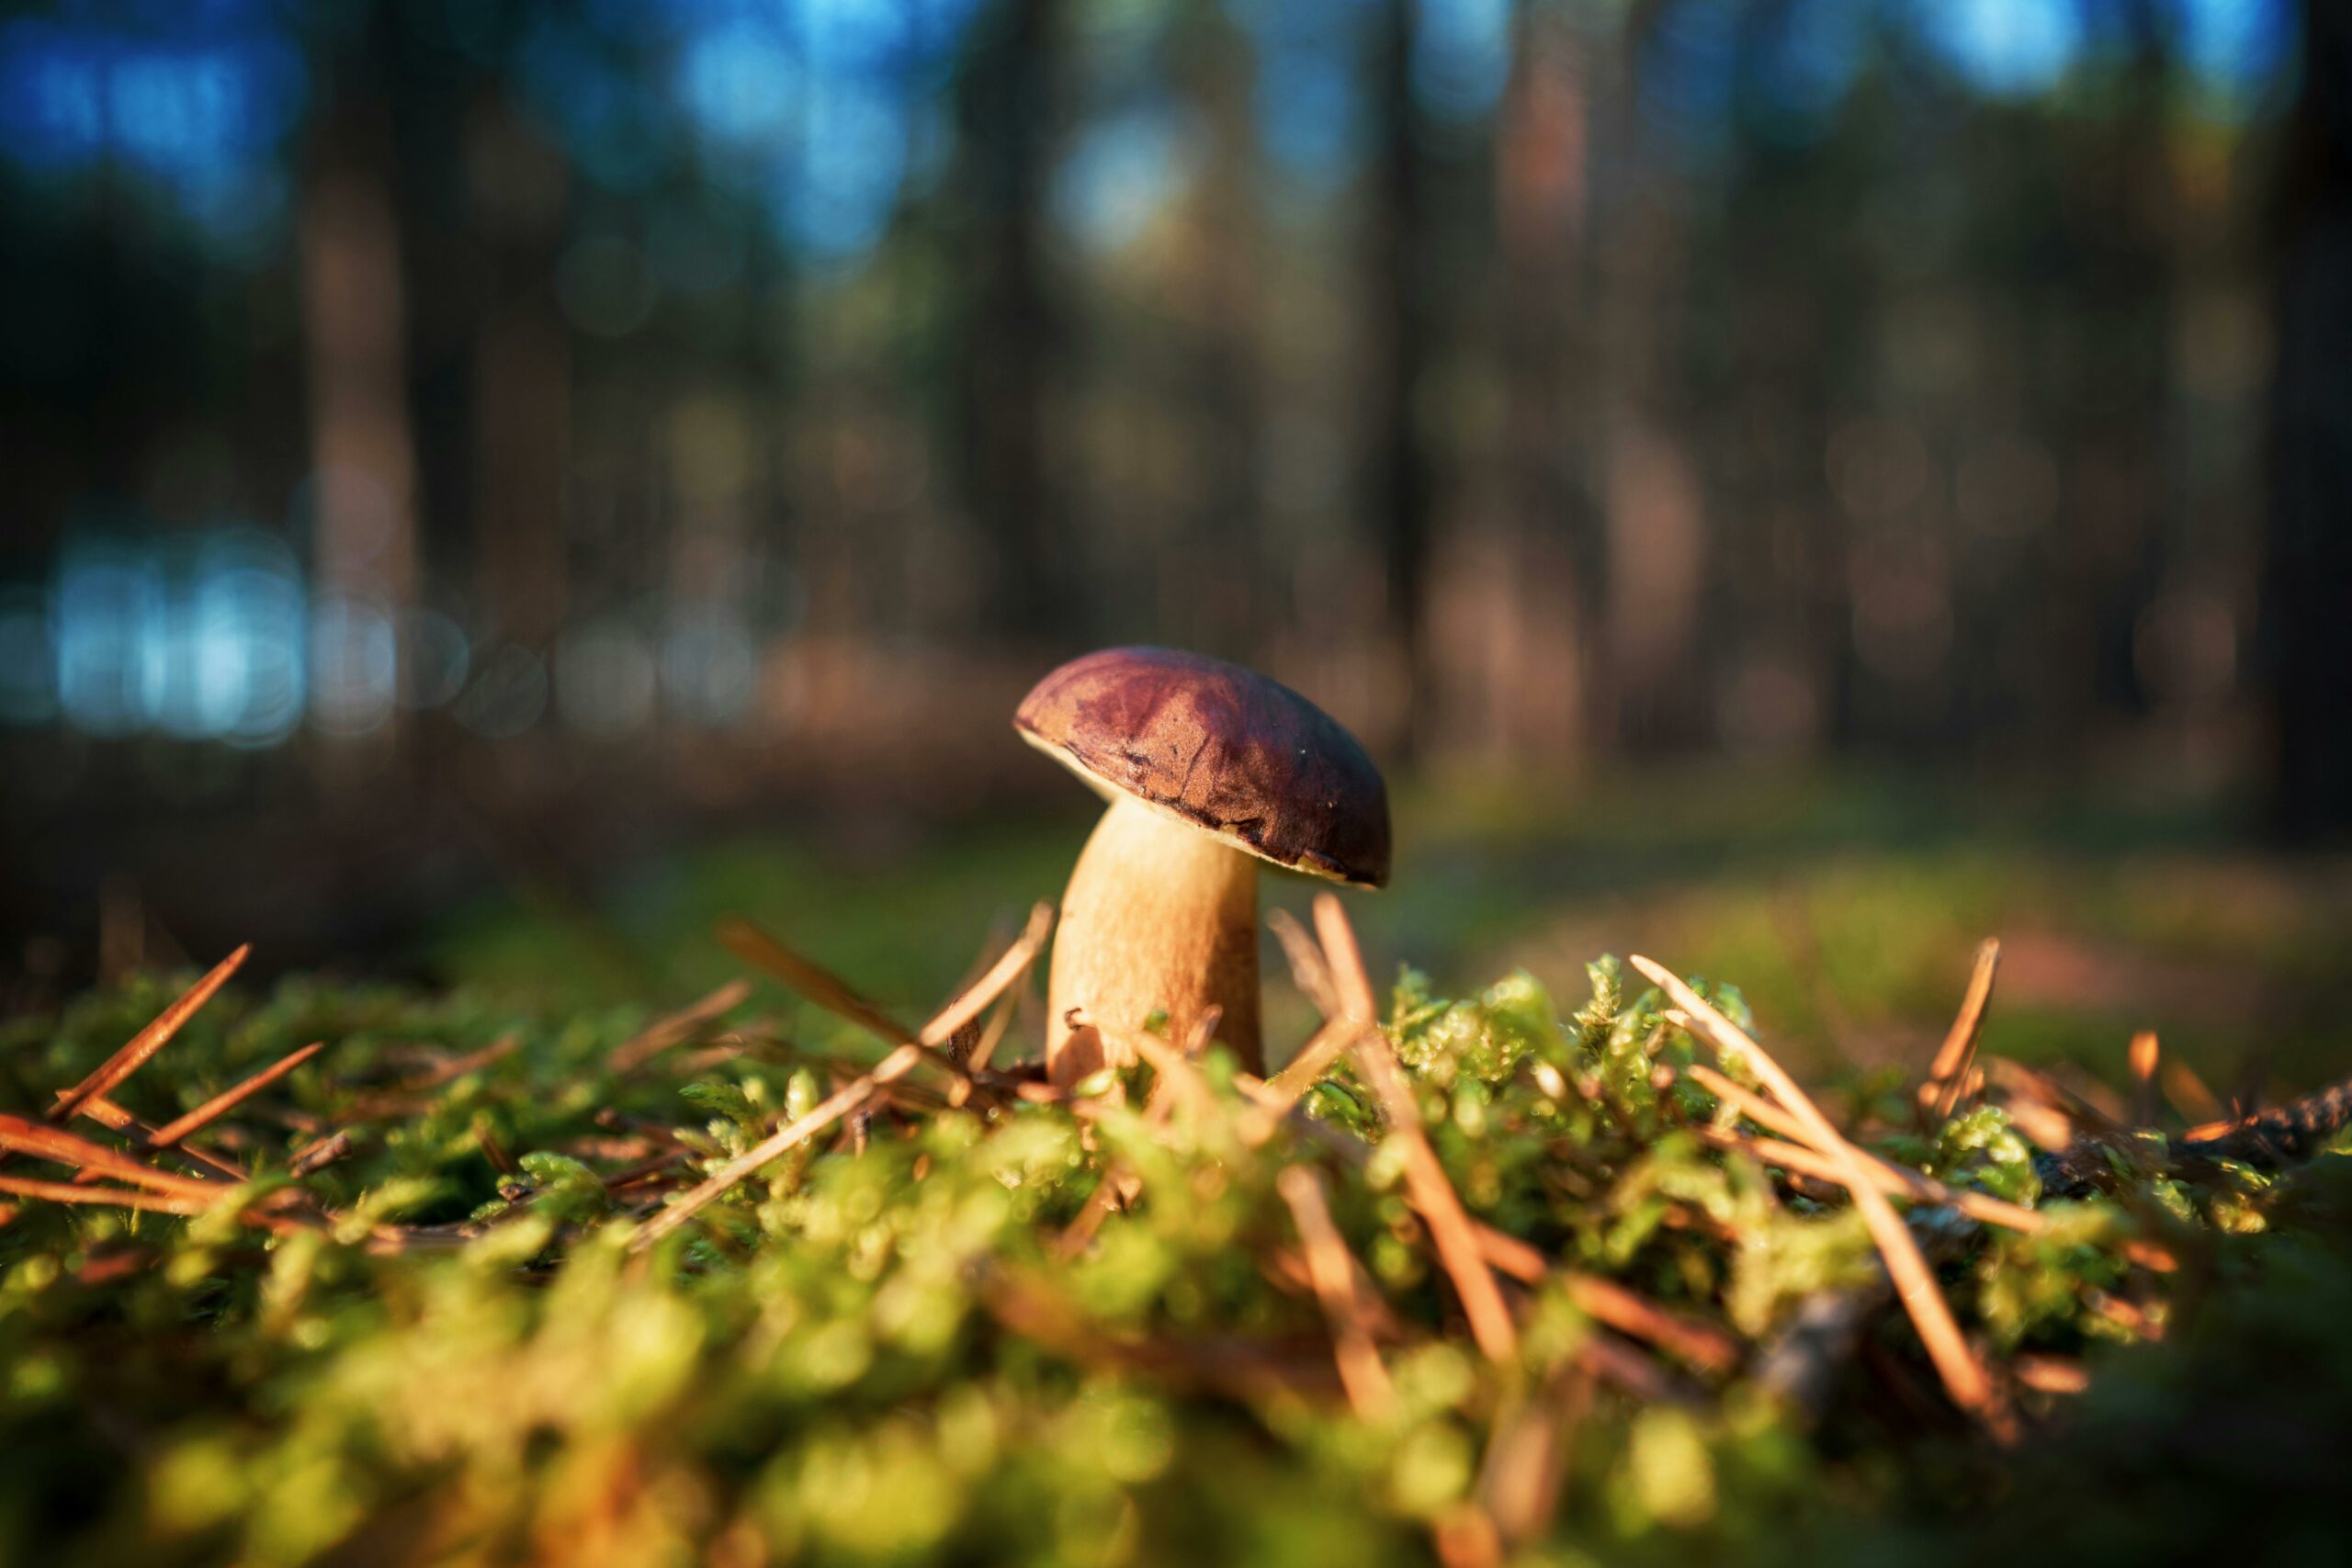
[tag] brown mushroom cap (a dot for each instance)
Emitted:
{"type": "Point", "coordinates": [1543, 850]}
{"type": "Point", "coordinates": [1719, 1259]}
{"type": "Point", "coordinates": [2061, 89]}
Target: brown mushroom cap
{"type": "Point", "coordinates": [1222, 747]}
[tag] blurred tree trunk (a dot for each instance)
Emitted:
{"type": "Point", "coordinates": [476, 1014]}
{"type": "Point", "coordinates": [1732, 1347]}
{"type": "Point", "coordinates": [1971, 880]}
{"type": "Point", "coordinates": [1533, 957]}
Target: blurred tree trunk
{"type": "Point", "coordinates": [355, 334]}
{"type": "Point", "coordinates": [1541, 176]}
{"type": "Point", "coordinates": [1227, 392]}
{"type": "Point", "coordinates": [1397, 331]}
{"type": "Point", "coordinates": [2307, 580]}
{"type": "Point", "coordinates": [1010, 329]}
{"type": "Point", "coordinates": [521, 373]}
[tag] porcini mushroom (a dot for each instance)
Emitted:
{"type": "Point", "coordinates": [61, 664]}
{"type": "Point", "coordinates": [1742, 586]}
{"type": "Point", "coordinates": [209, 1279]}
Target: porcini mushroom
{"type": "Point", "coordinates": [1209, 769]}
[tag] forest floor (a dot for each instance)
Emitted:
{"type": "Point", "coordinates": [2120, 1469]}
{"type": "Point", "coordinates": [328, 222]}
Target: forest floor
{"type": "Point", "coordinates": [1848, 908]}
{"type": "Point", "coordinates": [641, 1236]}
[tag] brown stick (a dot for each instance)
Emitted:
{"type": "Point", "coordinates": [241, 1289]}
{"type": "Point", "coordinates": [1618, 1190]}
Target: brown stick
{"type": "Point", "coordinates": [1963, 1376]}
{"type": "Point", "coordinates": [229, 1099]}
{"type": "Point", "coordinates": [828, 990]}
{"type": "Point", "coordinates": [2290, 1130]}
{"type": "Point", "coordinates": [113, 1117]}
{"type": "Point", "coordinates": [1896, 1180]}
{"type": "Point", "coordinates": [1330, 1270]}
{"type": "Point", "coordinates": [677, 1028]}
{"type": "Point", "coordinates": [1318, 1056]}
{"type": "Point", "coordinates": [762, 951]}
{"type": "Point", "coordinates": [142, 1046]}
{"type": "Point", "coordinates": [1940, 1096]}
{"type": "Point", "coordinates": [1307, 968]}
{"type": "Point", "coordinates": [2188, 1094]}
{"type": "Point", "coordinates": [1699, 1344]}
{"type": "Point", "coordinates": [41, 1142]}
{"type": "Point", "coordinates": [1425, 1182]}
{"type": "Point", "coordinates": [992, 1033]}
{"type": "Point", "coordinates": [840, 1103]}
{"type": "Point", "coordinates": [1009, 967]}
{"type": "Point", "coordinates": [2146, 1051]}
{"type": "Point", "coordinates": [116, 1197]}
{"type": "Point", "coordinates": [1892, 1179]}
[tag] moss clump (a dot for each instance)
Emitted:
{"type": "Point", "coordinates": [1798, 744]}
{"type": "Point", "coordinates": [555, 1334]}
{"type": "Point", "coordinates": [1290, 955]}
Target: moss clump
{"type": "Point", "coordinates": [925, 1335]}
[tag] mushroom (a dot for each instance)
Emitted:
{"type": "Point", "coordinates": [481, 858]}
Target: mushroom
{"type": "Point", "coordinates": [1209, 769]}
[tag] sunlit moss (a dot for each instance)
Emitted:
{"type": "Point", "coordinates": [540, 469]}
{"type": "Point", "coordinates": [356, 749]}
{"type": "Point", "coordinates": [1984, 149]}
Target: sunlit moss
{"type": "Point", "coordinates": [820, 1367]}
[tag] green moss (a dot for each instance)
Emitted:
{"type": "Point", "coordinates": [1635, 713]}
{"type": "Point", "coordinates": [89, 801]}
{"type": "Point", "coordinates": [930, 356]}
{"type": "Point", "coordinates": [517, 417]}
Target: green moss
{"type": "Point", "coordinates": [886, 1349]}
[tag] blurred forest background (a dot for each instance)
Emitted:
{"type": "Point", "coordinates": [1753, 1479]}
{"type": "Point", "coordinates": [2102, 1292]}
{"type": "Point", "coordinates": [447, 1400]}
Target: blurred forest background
{"type": "Point", "coordinates": [452, 441]}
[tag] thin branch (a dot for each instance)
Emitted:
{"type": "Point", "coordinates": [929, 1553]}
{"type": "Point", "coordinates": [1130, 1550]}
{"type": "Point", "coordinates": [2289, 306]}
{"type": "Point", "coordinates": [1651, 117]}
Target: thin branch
{"type": "Point", "coordinates": [1008, 968]}
{"type": "Point", "coordinates": [1896, 1180]}
{"type": "Point", "coordinates": [1425, 1180]}
{"type": "Point", "coordinates": [840, 1103]}
{"type": "Point", "coordinates": [1318, 1056]}
{"type": "Point", "coordinates": [1892, 1179]}
{"type": "Point", "coordinates": [115, 1197]}
{"type": "Point", "coordinates": [2291, 1130]}
{"type": "Point", "coordinates": [677, 1028]}
{"type": "Point", "coordinates": [2051, 1374]}
{"type": "Point", "coordinates": [1307, 968]}
{"type": "Point", "coordinates": [1940, 1096]}
{"type": "Point", "coordinates": [992, 1034]}
{"type": "Point", "coordinates": [402, 1100]}
{"type": "Point", "coordinates": [229, 1099]}
{"type": "Point", "coordinates": [2188, 1094]}
{"type": "Point", "coordinates": [2145, 1051]}
{"type": "Point", "coordinates": [1331, 1271]}
{"type": "Point", "coordinates": [819, 985]}
{"type": "Point", "coordinates": [142, 1046]}
{"type": "Point", "coordinates": [827, 989]}
{"type": "Point", "coordinates": [114, 1118]}
{"type": "Point", "coordinates": [1349, 985]}
{"type": "Point", "coordinates": [1521, 1477]}
{"type": "Point", "coordinates": [316, 1157]}
{"type": "Point", "coordinates": [1963, 1376]}
{"type": "Point", "coordinates": [21, 1136]}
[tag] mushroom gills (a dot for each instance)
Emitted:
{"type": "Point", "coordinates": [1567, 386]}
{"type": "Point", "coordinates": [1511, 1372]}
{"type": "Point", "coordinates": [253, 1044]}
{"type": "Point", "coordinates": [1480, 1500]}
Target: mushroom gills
{"type": "Point", "coordinates": [1159, 916]}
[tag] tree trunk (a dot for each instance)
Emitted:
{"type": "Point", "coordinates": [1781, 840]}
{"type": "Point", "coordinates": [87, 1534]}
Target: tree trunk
{"type": "Point", "coordinates": [1397, 332]}
{"type": "Point", "coordinates": [1010, 328]}
{"type": "Point", "coordinates": [2307, 579]}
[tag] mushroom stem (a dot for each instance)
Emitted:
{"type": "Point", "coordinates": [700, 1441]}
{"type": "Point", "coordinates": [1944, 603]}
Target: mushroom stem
{"type": "Point", "coordinates": [1159, 916]}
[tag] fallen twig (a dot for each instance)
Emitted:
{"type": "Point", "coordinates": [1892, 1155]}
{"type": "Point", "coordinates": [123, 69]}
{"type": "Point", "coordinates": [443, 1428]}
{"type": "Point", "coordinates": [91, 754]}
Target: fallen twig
{"type": "Point", "coordinates": [142, 1046]}
{"type": "Point", "coordinates": [20, 1137]}
{"type": "Point", "coordinates": [230, 1099]}
{"type": "Point", "coordinates": [1963, 1376]}
{"type": "Point", "coordinates": [116, 1197]}
{"type": "Point", "coordinates": [829, 991]}
{"type": "Point", "coordinates": [1330, 1268]}
{"type": "Point", "coordinates": [1307, 968]}
{"type": "Point", "coordinates": [1009, 967]}
{"type": "Point", "coordinates": [677, 1028]}
{"type": "Point", "coordinates": [1425, 1179]}
{"type": "Point", "coordinates": [840, 1103]}
{"type": "Point", "coordinates": [1940, 1095]}
{"type": "Point", "coordinates": [1893, 1179]}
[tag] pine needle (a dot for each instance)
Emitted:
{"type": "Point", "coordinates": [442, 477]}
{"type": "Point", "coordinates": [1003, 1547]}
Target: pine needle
{"type": "Point", "coordinates": [1892, 1179]}
{"type": "Point", "coordinates": [21, 1136]}
{"type": "Point", "coordinates": [142, 1046]}
{"type": "Point", "coordinates": [829, 991]}
{"type": "Point", "coordinates": [678, 1027]}
{"type": "Point", "coordinates": [113, 1197]}
{"type": "Point", "coordinates": [1963, 1376]}
{"type": "Point", "coordinates": [1330, 1269]}
{"type": "Point", "coordinates": [1307, 969]}
{"type": "Point", "coordinates": [840, 1103]}
{"type": "Point", "coordinates": [2145, 1051]}
{"type": "Point", "coordinates": [1008, 968]}
{"type": "Point", "coordinates": [1940, 1095]}
{"type": "Point", "coordinates": [1425, 1179]}
{"type": "Point", "coordinates": [229, 1099]}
